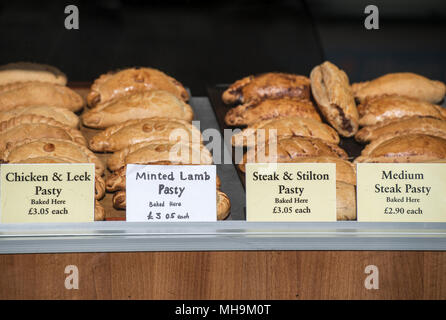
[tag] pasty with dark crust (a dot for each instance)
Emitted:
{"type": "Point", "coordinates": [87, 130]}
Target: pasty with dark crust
{"type": "Point", "coordinates": [268, 85]}
{"type": "Point", "coordinates": [259, 132]}
{"type": "Point", "coordinates": [258, 110]}
{"type": "Point", "coordinates": [332, 92]}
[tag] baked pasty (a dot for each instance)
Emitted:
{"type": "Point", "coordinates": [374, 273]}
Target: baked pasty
{"type": "Point", "coordinates": [37, 127]}
{"type": "Point", "coordinates": [112, 85]}
{"type": "Point", "coordinates": [258, 110]}
{"type": "Point", "coordinates": [28, 71]}
{"type": "Point", "coordinates": [153, 152]}
{"type": "Point", "coordinates": [405, 148]}
{"type": "Point", "coordinates": [404, 84]}
{"type": "Point", "coordinates": [99, 183]}
{"type": "Point", "coordinates": [345, 201]}
{"type": "Point", "coordinates": [386, 107]}
{"type": "Point", "coordinates": [223, 203]}
{"type": "Point", "coordinates": [291, 148]}
{"type": "Point", "coordinates": [267, 85]}
{"type": "Point", "coordinates": [117, 180]}
{"type": "Point", "coordinates": [345, 170]}
{"type": "Point", "coordinates": [28, 149]}
{"type": "Point", "coordinates": [408, 125]}
{"type": "Point", "coordinates": [332, 92]}
{"type": "Point", "coordinates": [137, 105]}
{"type": "Point", "coordinates": [39, 94]}
{"type": "Point", "coordinates": [131, 132]}
{"type": "Point", "coordinates": [260, 132]}
{"type": "Point", "coordinates": [64, 116]}
{"type": "Point", "coordinates": [99, 211]}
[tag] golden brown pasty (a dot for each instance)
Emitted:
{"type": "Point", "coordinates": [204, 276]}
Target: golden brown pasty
{"type": "Point", "coordinates": [405, 148]}
{"type": "Point", "coordinates": [291, 148]}
{"type": "Point", "coordinates": [223, 203]}
{"type": "Point", "coordinates": [131, 132]}
{"type": "Point", "coordinates": [28, 149]}
{"type": "Point", "coordinates": [332, 92]}
{"type": "Point", "coordinates": [99, 211]}
{"type": "Point", "coordinates": [112, 85]}
{"type": "Point", "coordinates": [258, 110]}
{"type": "Point", "coordinates": [382, 108]}
{"type": "Point", "coordinates": [62, 115]}
{"type": "Point", "coordinates": [117, 180]}
{"type": "Point", "coordinates": [28, 71]}
{"type": "Point", "coordinates": [152, 152]}
{"type": "Point", "coordinates": [267, 85]}
{"type": "Point", "coordinates": [345, 201]}
{"type": "Point", "coordinates": [137, 105]}
{"type": "Point", "coordinates": [260, 132]}
{"type": "Point", "coordinates": [394, 127]}
{"type": "Point", "coordinates": [36, 127]}
{"type": "Point", "coordinates": [404, 84]}
{"type": "Point", "coordinates": [39, 94]}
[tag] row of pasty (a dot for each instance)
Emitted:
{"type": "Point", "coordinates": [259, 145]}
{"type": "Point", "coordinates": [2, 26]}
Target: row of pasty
{"type": "Point", "coordinates": [137, 107]}
{"type": "Point", "coordinates": [284, 113]}
{"type": "Point", "coordinates": [38, 123]}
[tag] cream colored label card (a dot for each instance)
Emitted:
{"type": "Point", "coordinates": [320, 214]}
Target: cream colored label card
{"type": "Point", "coordinates": [291, 192]}
{"type": "Point", "coordinates": [401, 192]}
{"type": "Point", "coordinates": [47, 193]}
{"type": "Point", "coordinates": [181, 193]}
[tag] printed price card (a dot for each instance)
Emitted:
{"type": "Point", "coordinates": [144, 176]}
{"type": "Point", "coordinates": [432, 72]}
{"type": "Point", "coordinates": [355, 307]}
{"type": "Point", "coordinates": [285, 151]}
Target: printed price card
{"type": "Point", "coordinates": [158, 193]}
{"type": "Point", "coordinates": [401, 192]}
{"type": "Point", "coordinates": [47, 193]}
{"type": "Point", "coordinates": [291, 192]}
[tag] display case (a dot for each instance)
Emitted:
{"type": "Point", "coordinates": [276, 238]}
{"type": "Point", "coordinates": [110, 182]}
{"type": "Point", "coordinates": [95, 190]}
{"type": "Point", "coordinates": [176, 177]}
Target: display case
{"type": "Point", "coordinates": [201, 50]}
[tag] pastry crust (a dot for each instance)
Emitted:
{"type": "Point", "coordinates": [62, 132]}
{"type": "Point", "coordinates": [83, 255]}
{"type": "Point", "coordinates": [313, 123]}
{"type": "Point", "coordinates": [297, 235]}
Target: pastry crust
{"type": "Point", "coordinates": [37, 127]}
{"type": "Point", "coordinates": [112, 85]}
{"type": "Point", "coordinates": [117, 180]}
{"type": "Point", "coordinates": [160, 151]}
{"type": "Point", "coordinates": [409, 125]}
{"type": "Point", "coordinates": [131, 132]}
{"type": "Point", "coordinates": [345, 201]}
{"type": "Point", "coordinates": [291, 148]}
{"type": "Point", "coordinates": [137, 105]}
{"type": "Point", "coordinates": [39, 94]}
{"type": "Point", "coordinates": [404, 84]}
{"type": "Point", "coordinates": [258, 110]}
{"type": "Point", "coordinates": [64, 116]}
{"type": "Point", "coordinates": [260, 132]}
{"type": "Point", "coordinates": [223, 203]}
{"type": "Point", "coordinates": [375, 110]}
{"type": "Point", "coordinates": [28, 71]}
{"type": "Point", "coordinates": [331, 90]}
{"type": "Point", "coordinates": [405, 148]}
{"type": "Point", "coordinates": [28, 149]}
{"type": "Point", "coordinates": [345, 170]}
{"type": "Point", "coordinates": [99, 211]}
{"type": "Point", "coordinates": [267, 85]}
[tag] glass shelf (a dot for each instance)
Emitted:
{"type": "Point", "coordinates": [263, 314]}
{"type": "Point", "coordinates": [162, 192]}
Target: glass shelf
{"type": "Point", "coordinates": [222, 235]}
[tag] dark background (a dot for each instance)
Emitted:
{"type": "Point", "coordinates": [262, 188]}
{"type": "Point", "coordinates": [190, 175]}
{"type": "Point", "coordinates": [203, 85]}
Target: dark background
{"type": "Point", "coordinates": [207, 42]}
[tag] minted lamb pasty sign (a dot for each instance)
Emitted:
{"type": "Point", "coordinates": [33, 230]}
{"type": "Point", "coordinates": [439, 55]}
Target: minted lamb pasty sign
{"type": "Point", "coordinates": [158, 193]}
